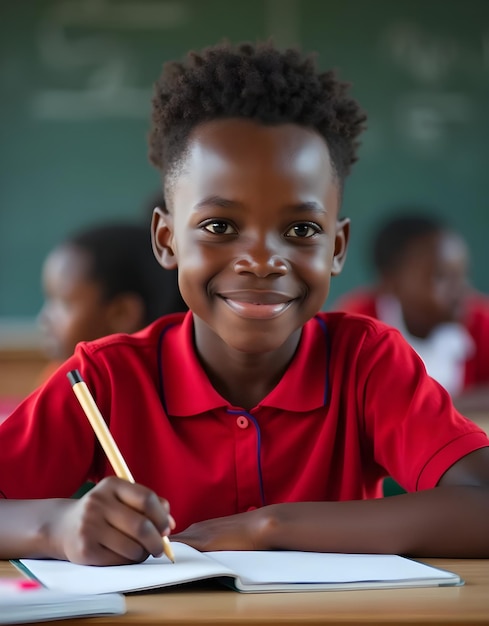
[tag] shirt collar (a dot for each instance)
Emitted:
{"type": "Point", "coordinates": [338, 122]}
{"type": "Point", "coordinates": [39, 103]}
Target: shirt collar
{"type": "Point", "coordinates": [186, 389]}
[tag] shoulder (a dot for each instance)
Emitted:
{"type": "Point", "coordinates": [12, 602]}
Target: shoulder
{"type": "Point", "coordinates": [353, 334]}
{"type": "Point", "coordinates": [369, 352]}
{"type": "Point", "coordinates": [127, 358]}
{"type": "Point", "coordinates": [346, 323]}
{"type": "Point", "coordinates": [142, 341]}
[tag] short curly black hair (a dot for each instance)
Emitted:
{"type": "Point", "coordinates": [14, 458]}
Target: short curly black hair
{"type": "Point", "coordinates": [257, 82]}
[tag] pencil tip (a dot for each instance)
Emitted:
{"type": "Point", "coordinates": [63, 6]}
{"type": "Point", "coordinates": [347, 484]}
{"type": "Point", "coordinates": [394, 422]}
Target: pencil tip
{"type": "Point", "coordinates": [167, 549]}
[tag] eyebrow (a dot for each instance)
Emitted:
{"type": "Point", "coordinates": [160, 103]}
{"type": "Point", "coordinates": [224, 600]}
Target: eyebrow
{"type": "Point", "coordinates": [212, 201]}
{"type": "Point", "coordinates": [218, 201]}
{"type": "Point", "coordinates": [311, 206]}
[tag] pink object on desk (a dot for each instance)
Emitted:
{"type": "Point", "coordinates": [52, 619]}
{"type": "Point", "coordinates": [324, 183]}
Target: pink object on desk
{"type": "Point", "coordinates": [18, 584]}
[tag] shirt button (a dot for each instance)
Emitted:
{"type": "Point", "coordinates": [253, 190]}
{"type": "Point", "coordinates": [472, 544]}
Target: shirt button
{"type": "Point", "coordinates": [251, 508]}
{"type": "Point", "coordinates": [242, 422]}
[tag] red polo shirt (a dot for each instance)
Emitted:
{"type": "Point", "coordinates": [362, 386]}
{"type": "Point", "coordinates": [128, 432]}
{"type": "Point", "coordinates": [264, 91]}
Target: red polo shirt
{"type": "Point", "coordinates": [354, 406]}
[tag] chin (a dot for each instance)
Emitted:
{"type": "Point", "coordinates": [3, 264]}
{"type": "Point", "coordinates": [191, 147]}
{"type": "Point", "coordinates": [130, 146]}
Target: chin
{"type": "Point", "coordinates": [257, 345]}
{"type": "Point", "coordinates": [251, 349]}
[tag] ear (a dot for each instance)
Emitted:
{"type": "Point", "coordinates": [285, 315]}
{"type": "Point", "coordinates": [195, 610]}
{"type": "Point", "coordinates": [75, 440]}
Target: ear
{"type": "Point", "coordinates": [162, 238]}
{"type": "Point", "coordinates": [126, 313]}
{"type": "Point", "coordinates": [340, 245]}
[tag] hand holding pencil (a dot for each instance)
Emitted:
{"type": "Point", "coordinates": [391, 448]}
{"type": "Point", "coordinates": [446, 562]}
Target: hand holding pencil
{"type": "Point", "coordinates": [105, 438]}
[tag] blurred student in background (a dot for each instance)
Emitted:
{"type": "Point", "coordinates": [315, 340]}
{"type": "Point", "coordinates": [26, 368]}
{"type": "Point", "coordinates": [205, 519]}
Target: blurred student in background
{"type": "Point", "coordinates": [423, 290]}
{"type": "Point", "coordinates": [100, 281]}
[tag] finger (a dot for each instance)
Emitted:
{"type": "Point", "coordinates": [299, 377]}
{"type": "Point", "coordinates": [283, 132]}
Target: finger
{"type": "Point", "coordinates": [146, 502]}
{"type": "Point", "coordinates": [101, 555]}
{"type": "Point", "coordinates": [171, 521]}
{"type": "Point", "coordinates": [94, 541]}
{"type": "Point", "coordinates": [115, 503]}
{"type": "Point", "coordinates": [134, 534]}
{"type": "Point", "coordinates": [123, 548]}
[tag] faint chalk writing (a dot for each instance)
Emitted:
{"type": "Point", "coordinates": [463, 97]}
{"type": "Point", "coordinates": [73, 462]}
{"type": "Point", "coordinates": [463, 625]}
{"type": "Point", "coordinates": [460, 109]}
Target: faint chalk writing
{"type": "Point", "coordinates": [431, 58]}
{"type": "Point", "coordinates": [82, 43]}
{"type": "Point", "coordinates": [425, 120]}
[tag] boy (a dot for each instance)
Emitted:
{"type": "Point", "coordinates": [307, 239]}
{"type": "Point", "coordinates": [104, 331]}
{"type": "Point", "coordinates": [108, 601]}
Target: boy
{"type": "Point", "coordinates": [423, 291]}
{"type": "Point", "coordinates": [263, 423]}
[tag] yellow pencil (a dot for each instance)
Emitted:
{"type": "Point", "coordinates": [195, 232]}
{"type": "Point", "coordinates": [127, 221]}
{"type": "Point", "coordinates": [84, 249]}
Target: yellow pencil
{"type": "Point", "coordinates": [105, 438]}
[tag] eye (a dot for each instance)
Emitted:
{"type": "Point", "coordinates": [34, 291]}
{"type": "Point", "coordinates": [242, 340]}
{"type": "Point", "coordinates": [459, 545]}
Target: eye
{"type": "Point", "coordinates": [303, 230]}
{"type": "Point", "coordinates": [219, 227]}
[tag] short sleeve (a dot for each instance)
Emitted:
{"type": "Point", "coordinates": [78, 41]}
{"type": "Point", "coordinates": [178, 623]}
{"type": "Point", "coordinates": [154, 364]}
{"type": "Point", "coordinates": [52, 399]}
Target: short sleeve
{"type": "Point", "coordinates": [47, 444]}
{"type": "Point", "coordinates": [414, 430]}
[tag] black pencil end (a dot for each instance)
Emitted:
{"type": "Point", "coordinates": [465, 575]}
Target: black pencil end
{"type": "Point", "coordinates": [74, 377]}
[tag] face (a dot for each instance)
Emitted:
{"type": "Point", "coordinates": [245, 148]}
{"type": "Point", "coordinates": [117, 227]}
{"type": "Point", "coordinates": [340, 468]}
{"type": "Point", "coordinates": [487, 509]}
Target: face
{"type": "Point", "coordinates": [253, 227]}
{"type": "Point", "coordinates": [431, 282]}
{"type": "Point", "coordinates": [73, 309]}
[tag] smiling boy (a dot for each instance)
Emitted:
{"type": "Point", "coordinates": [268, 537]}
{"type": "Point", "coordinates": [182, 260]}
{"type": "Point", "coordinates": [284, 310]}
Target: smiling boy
{"type": "Point", "coordinates": [262, 422]}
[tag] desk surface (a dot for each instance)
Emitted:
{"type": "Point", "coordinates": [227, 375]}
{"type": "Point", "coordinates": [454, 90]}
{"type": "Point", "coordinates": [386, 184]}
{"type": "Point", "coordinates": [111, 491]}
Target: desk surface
{"type": "Point", "coordinates": [480, 418]}
{"type": "Point", "coordinates": [456, 606]}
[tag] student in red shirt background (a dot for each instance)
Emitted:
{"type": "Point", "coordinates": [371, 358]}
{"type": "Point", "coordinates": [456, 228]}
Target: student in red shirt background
{"type": "Point", "coordinates": [423, 290]}
{"type": "Point", "coordinates": [263, 422]}
{"type": "Point", "coordinates": [100, 280]}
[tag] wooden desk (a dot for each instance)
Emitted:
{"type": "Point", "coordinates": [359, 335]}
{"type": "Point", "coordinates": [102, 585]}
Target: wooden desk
{"type": "Point", "coordinates": [455, 606]}
{"type": "Point", "coordinates": [20, 370]}
{"type": "Point", "coordinates": [481, 419]}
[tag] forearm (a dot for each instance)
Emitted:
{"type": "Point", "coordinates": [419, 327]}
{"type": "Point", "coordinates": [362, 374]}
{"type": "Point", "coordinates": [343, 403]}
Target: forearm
{"type": "Point", "coordinates": [444, 522]}
{"type": "Point", "coordinates": [25, 526]}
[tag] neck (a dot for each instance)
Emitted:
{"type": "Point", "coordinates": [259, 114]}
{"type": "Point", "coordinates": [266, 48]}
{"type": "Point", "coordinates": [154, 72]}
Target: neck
{"type": "Point", "coordinates": [244, 379]}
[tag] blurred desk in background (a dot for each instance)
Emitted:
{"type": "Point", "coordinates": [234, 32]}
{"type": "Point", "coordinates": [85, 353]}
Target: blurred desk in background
{"type": "Point", "coordinates": [481, 419]}
{"type": "Point", "coordinates": [20, 370]}
{"type": "Point", "coordinates": [22, 358]}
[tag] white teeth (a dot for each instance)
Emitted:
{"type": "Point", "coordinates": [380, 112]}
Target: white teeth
{"type": "Point", "coordinates": [255, 310]}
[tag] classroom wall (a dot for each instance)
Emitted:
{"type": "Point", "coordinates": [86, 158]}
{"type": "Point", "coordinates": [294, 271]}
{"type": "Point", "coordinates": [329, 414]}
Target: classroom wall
{"type": "Point", "coordinates": [75, 86]}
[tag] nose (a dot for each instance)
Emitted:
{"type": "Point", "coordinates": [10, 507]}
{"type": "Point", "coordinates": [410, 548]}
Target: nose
{"type": "Point", "coordinates": [262, 260]}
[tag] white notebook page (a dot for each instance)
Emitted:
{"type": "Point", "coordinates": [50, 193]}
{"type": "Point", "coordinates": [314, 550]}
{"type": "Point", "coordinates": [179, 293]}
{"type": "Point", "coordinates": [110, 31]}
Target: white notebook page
{"type": "Point", "coordinates": [313, 567]}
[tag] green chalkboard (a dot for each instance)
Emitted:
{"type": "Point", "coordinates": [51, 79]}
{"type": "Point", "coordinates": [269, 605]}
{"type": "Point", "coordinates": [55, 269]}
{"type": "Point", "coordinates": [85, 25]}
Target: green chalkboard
{"type": "Point", "coordinates": [75, 85]}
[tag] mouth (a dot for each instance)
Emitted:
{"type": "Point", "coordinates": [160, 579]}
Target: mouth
{"type": "Point", "coordinates": [258, 305]}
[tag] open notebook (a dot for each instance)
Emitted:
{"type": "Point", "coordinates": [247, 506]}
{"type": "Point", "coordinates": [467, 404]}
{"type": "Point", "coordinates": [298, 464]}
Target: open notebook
{"type": "Point", "coordinates": [244, 571]}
